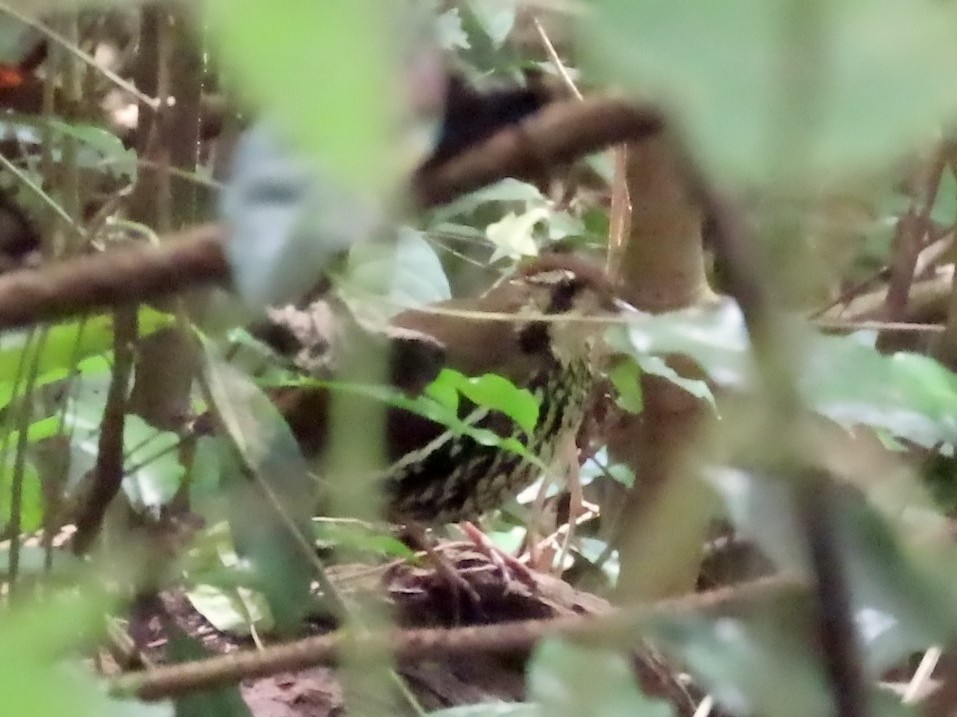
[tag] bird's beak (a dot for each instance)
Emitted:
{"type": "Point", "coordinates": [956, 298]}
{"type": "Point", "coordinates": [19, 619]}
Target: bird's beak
{"type": "Point", "coordinates": [624, 308]}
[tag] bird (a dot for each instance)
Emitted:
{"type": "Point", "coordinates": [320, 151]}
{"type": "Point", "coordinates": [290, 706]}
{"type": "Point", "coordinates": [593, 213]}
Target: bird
{"type": "Point", "coordinates": [436, 476]}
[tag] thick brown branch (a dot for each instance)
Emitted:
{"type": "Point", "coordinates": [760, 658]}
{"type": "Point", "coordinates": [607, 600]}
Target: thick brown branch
{"type": "Point", "coordinates": [118, 276]}
{"type": "Point", "coordinates": [559, 133]}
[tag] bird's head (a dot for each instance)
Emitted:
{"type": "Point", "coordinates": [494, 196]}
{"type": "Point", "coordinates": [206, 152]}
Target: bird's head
{"type": "Point", "coordinates": [568, 302]}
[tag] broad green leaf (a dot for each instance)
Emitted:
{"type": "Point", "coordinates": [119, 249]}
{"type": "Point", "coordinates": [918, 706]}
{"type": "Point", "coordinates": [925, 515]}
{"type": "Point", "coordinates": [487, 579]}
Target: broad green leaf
{"type": "Point", "coordinates": [302, 60]}
{"type": "Point", "coordinates": [758, 665]}
{"type": "Point", "coordinates": [750, 79]}
{"type": "Point", "coordinates": [901, 590]}
{"type": "Point", "coordinates": [36, 680]}
{"type": "Point", "coordinates": [568, 680]}
{"type": "Point", "coordinates": [31, 494]}
{"type": "Point", "coordinates": [841, 377]}
{"type": "Point", "coordinates": [442, 411]}
{"type": "Point", "coordinates": [944, 209]}
{"type": "Point", "coordinates": [599, 465]}
{"type": "Point", "coordinates": [154, 472]}
{"type": "Point", "coordinates": [406, 273]}
{"type": "Point", "coordinates": [289, 220]}
{"type": "Point", "coordinates": [266, 447]}
{"type": "Point", "coordinates": [495, 392]}
{"type": "Point", "coordinates": [506, 190]}
{"type": "Point", "coordinates": [910, 395]}
{"type": "Point", "coordinates": [656, 366]}
{"type": "Point", "coordinates": [64, 346]}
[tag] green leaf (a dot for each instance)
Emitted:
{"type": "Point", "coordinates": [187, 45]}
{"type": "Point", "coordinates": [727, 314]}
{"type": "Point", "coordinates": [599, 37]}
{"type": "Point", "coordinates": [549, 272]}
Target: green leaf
{"type": "Point", "coordinates": [36, 682]}
{"type": "Point", "coordinates": [358, 537]}
{"type": "Point", "coordinates": [262, 440]}
{"type": "Point", "coordinates": [910, 395]}
{"type": "Point", "coordinates": [944, 210]}
{"type": "Point", "coordinates": [748, 79]}
{"type": "Point", "coordinates": [568, 680]}
{"type": "Point", "coordinates": [64, 346]}
{"type": "Point", "coordinates": [448, 26]}
{"type": "Point", "coordinates": [31, 497]}
{"type": "Point", "coordinates": [302, 60]}
{"type": "Point", "coordinates": [497, 393]}
{"type": "Point", "coordinates": [442, 412]}
{"type": "Point", "coordinates": [599, 465]}
{"type": "Point", "coordinates": [841, 377]}
{"type": "Point", "coordinates": [496, 17]}
{"type": "Point", "coordinates": [154, 472]}
{"type": "Point", "coordinates": [289, 221]}
{"type": "Point", "coordinates": [506, 190]}
{"type": "Point", "coordinates": [405, 274]}
{"type": "Point", "coordinates": [754, 665]}
{"type": "Point", "coordinates": [224, 701]}
{"type": "Point", "coordinates": [97, 148]}
{"type": "Point", "coordinates": [625, 377]}
{"type": "Point", "coordinates": [232, 610]}
{"type": "Point", "coordinates": [901, 591]}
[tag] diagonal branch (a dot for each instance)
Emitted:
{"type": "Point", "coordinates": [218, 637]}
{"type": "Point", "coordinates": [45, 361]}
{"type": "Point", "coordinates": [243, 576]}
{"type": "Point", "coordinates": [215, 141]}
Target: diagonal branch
{"type": "Point", "coordinates": [561, 132]}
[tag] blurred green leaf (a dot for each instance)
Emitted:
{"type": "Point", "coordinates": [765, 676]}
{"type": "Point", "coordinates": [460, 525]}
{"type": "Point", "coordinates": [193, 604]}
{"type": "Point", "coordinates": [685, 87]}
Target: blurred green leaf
{"type": "Point", "coordinates": [301, 59]}
{"type": "Point", "coordinates": [841, 377]}
{"type": "Point", "coordinates": [406, 273]}
{"type": "Point", "coordinates": [31, 494]}
{"type": "Point", "coordinates": [944, 209]}
{"type": "Point", "coordinates": [97, 148]}
{"type": "Point", "coordinates": [358, 537]}
{"type": "Point", "coordinates": [154, 472]}
{"type": "Point", "coordinates": [599, 465]}
{"type": "Point", "coordinates": [65, 346]}
{"type": "Point", "coordinates": [449, 30]}
{"type": "Point", "coordinates": [290, 221]}
{"type": "Point", "coordinates": [506, 190]}
{"type": "Point", "coordinates": [910, 395]}
{"type": "Point", "coordinates": [224, 701]}
{"type": "Point", "coordinates": [443, 410]}
{"type": "Point", "coordinates": [496, 17]}
{"type": "Point", "coordinates": [748, 78]}
{"type": "Point", "coordinates": [901, 592]}
{"type": "Point", "coordinates": [568, 680]}
{"type": "Point", "coordinates": [267, 448]}
{"type": "Point", "coordinates": [232, 610]}
{"type": "Point", "coordinates": [37, 682]}
{"type": "Point", "coordinates": [754, 665]}
{"type": "Point", "coordinates": [656, 366]}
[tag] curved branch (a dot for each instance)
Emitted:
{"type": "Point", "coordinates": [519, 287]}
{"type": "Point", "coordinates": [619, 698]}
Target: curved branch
{"type": "Point", "coordinates": [559, 133]}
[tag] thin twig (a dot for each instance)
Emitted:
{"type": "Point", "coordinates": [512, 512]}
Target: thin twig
{"type": "Point", "coordinates": [84, 56]}
{"type": "Point", "coordinates": [618, 628]}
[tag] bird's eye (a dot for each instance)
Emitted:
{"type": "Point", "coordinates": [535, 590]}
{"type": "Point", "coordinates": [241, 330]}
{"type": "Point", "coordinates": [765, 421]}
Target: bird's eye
{"type": "Point", "coordinates": [563, 295]}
